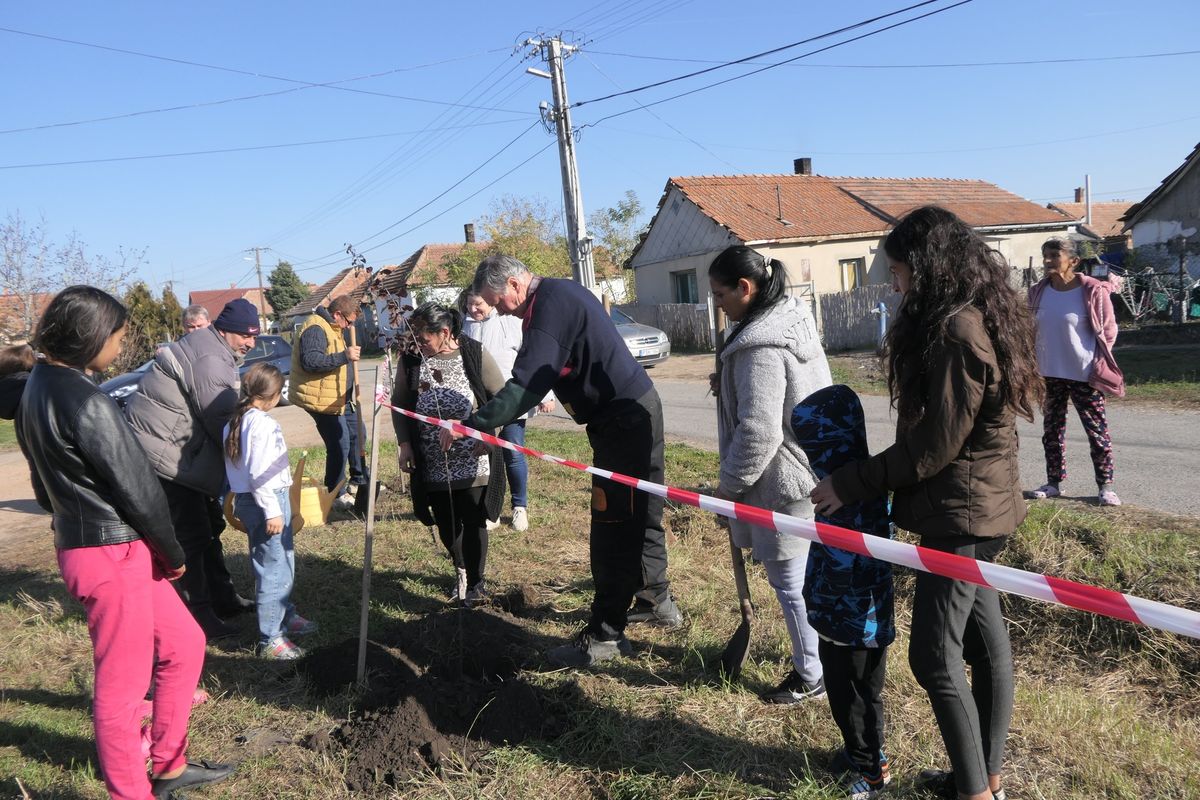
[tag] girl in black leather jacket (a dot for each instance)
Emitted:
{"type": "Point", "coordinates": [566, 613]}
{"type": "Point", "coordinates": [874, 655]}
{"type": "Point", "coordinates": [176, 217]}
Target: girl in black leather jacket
{"type": "Point", "coordinates": [116, 549]}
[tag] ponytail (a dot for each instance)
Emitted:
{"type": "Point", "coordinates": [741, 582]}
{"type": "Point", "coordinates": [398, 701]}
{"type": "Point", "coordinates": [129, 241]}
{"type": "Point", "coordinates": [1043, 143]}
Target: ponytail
{"type": "Point", "coordinates": [768, 275]}
{"type": "Point", "coordinates": [262, 381]}
{"type": "Point", "coordinates": [233, 442]}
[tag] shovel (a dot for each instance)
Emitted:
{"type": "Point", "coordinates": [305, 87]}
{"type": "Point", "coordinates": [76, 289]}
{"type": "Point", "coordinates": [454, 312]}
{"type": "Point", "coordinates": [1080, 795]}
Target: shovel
{"type": "Point", "coordinates": [735, 652]}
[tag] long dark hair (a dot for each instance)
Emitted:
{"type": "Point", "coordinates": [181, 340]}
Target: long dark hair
{"type": "Point", "coordinates": [77, 323]}
{"type": "Point", "coordinates": [952, 267]}
{"type": "Point", "coordinates": [768, 276]}
{"type": "Point", "coordinates": [261, 382]}
{"type": "Point", "coordinates": [16, 358]}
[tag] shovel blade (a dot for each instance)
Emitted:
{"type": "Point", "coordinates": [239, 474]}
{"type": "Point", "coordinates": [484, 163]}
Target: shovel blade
{"type": "Point", "coordinates": [735, 652]}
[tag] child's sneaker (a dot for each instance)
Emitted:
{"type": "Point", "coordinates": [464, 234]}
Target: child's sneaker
{"type": "Point", "coordinates": [299, 626]}
{"type": "Point", "coordinates": [477, 595]}
{"type": "Point", "coordinates": [280, 649]}
{"type": "Point", "coordinates": [866, 787]}
{"type": "Point", "coordinates": [1043, 491]}
{"type": "Point", "coordinates": [843, 765]}
{"type": "Point", "coordinates": [794, 689]}
{"type": "Point", "coordinates": [1108, 497]}
{"type": "Point", "coordinates": [458, 592]}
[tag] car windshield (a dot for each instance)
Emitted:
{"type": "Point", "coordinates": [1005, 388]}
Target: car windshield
{"type": "Point", "coordinates": [621, 318]}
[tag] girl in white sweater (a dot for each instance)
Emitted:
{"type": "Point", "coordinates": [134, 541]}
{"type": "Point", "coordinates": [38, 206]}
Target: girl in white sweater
{"type": "Point", "coordinates": [256, 462]}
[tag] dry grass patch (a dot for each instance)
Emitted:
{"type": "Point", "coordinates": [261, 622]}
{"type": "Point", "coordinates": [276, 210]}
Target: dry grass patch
{"type": "Point", "coordinates": [1103, 708]}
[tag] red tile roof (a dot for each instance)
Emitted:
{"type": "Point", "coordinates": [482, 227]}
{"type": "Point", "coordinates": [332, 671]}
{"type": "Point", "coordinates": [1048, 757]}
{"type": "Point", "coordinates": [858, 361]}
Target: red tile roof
{"type": "Point", "coordinates": [1106, 217]}
{"type": "Point", "coordinates": [214, 300]}
{"type": "Point", "coordinates": [349, 280]}
{"type": "Point", "coordinates": [425, 267]}
{"type": "Point", "coordinates": [750, 206]}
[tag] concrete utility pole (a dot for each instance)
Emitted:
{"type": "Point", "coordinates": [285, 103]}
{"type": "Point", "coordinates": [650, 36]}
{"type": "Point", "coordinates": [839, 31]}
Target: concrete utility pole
{"type": "Point", "coordinates": [262, 296]}
{"type": "Point", "coordinates": [580, 244]}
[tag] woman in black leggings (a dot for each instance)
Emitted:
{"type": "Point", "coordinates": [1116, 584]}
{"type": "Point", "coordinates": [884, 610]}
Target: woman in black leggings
{"type": "Point", "coordinates": [961, 366]}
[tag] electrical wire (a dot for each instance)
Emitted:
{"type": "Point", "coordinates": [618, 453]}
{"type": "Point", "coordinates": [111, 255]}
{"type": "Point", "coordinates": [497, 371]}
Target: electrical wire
{"type": "Point", "coordinates": [235, 71]}
{"type": "Point", "coordinates": [958, 65]}
{"type": "Point", "coordinates": [782, 63]}
{"type": "Point", "coordinates": [772, 51]}
{"type": "Point", "coordinates": [247, 148]}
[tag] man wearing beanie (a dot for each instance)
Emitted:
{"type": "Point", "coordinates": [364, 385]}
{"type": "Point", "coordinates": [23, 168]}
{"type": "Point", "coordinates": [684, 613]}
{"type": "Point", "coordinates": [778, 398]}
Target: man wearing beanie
{"type": "Point", "coordinates": [177, 414]}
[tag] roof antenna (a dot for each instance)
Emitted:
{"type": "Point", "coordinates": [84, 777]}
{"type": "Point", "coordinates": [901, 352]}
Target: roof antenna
{"type": "Point", "coordinates": [779, 207]}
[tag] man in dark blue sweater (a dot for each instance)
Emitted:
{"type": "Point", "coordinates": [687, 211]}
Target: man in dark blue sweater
{"type": "Point", "coordinates": [572, 347]}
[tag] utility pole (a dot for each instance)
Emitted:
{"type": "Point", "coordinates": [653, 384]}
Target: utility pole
{"type": "Point", "coordinates": [578, 242]}
{"type": "Point", "coordinates": [262, 296]}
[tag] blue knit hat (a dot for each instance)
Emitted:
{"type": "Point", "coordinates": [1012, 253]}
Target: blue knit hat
{"type": "Point", "coordinates": [238, 316]}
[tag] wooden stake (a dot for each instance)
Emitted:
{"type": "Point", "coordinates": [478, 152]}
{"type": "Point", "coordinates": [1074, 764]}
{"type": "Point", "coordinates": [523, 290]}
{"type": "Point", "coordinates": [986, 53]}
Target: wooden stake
{"type": "Point", "coordinates": [369, 534]}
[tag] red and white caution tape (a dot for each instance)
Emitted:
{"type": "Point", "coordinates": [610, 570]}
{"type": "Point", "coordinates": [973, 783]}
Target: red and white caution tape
{"type": "Point", "coordinates": [1046, 588]}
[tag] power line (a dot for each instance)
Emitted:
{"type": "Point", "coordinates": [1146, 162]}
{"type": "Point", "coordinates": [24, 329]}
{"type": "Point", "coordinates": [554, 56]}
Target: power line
{"type": "Point", "coordinates": [306, 84]}
{"type": "Point", "coordinates": [245, 149]}
{"type": "Point", "coordinates": [913, 66]}
{"type": "Point", "coordinates": [772, 51]}
{"type": "Point", "coordinates": [437, 197]}
{"type": "Point", "coordinates": [782, 63]}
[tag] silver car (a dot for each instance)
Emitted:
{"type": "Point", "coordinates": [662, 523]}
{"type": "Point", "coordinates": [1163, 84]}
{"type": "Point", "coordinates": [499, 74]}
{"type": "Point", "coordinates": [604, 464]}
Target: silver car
{"type": "Point", "coordinates": [649, 346]}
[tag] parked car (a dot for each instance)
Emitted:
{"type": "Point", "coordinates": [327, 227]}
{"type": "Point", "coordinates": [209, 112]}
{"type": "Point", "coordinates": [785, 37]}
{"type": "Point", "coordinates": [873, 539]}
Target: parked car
{"type": "Point", "coordinates": [647, 344]}
{"type": "Point", "coordinates": [272, 349]}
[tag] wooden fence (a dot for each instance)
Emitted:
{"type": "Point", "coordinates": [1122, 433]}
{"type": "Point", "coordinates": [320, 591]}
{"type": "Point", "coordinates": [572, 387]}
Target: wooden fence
{"type": "Point", "coordinates": [688, 326]}
{"type": "Point", "coordinates": [846, 320]}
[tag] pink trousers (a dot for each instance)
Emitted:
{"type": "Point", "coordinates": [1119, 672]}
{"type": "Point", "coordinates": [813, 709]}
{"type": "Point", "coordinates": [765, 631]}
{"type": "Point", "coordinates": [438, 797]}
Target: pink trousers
{"type": "Point", "coordinates": [132, 617]}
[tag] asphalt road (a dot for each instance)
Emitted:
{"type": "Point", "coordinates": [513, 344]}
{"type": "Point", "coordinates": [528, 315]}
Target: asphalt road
{"type": "Point", "coordinates": [1156, 451]}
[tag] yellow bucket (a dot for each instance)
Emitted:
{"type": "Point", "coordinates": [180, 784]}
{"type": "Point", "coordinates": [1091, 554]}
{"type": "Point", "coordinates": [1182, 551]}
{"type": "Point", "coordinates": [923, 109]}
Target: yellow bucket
{"type": "Point", "coordinates": [309, 500]}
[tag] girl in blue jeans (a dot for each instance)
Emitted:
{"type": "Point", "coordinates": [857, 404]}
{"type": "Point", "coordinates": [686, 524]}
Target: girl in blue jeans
{"type": "Point", "coordinates": [256, 462]}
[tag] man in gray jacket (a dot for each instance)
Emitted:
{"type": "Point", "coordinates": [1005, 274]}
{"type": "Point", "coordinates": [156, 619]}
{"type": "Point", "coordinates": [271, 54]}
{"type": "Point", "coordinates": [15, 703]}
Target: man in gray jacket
{"type": "Point", "coordinates": [177, 414]}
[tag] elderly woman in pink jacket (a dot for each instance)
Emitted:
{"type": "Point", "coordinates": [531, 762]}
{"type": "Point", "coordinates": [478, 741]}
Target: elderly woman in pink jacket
{"type": "Point", "coordinates": [1076, 333]}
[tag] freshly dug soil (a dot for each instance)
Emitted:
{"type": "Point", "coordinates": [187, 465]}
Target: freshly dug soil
{"type": "Point", "coordinates": [443, 687]}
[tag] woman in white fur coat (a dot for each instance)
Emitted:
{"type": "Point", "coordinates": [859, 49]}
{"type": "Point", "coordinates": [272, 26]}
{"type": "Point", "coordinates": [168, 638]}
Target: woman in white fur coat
{"type": "Point", "coordinates": [768, 363]}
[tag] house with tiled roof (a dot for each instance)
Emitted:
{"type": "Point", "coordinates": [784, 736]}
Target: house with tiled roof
{"type": "Point", "coordinates": [350, 280]}
{"type": "Point", "coordinates": [19, 314]}
{"type": "Point", "coordinates": [827, 231]}
{"type": "Point", "coordinates": [1169, 216]}
{"type": "Point", "coordinates": [214, 300]}
{"type": "Point", "coordinates": [1099, 221]}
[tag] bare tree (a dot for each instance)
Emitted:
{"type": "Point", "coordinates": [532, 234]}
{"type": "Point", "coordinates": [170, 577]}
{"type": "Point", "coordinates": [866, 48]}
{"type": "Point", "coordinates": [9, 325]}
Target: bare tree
{"type": "Point", "coordinates": [35, 267]}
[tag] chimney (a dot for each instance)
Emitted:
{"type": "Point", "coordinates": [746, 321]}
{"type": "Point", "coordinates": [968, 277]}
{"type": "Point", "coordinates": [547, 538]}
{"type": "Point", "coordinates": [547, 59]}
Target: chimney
{"type": "Point", "coordinates": [1078, 194]}
{"type": "Point", "coordinates": [469, 231]}
{"type": "Point", "coordinates": [802, 166]}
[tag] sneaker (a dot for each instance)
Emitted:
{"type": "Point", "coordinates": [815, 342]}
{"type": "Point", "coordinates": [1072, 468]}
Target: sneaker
{"type": "Point", "coordinates": [477, 595]}
{"type": "Point", "coordinates": [344, 500]}
{"type": "Point", "coordinates": [842, 764]}
{"type": "Point", "coordinates": [1108, 497]}
{"type": "Point", "coordinates": [866, 787]}
{"type": "Point", "coordinates": [492, 524]}
{"type": "Point", "coordinates": [458, 592]}
{"type": "Point", "coordinates": [299, 626]}
{"type": "Point", "coordinates": [587, 649]}
{"type": "Point", "coordinates": [280, 649]}
{"type": "Point", "coordinates": [520, 519]}
{"type": "Point", "coordinates": [665, 615]}
{"type": "Point", "coordinates": [794, 689]}
{"type": "Point", "coordinates": [1043, 491]}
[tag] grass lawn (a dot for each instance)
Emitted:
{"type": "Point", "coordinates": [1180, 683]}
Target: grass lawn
{"type": "Point", "coordinates": [8, 435]}
{"type": "Point", "coordinates": [1103, 708]}
{"type": "Point", "coordinates": [1155, 375]}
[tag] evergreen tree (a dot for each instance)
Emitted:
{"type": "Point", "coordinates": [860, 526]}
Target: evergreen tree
{"type": "Point", "coordinates": [146, 327]}
{"type": "Point", "coordinates": [172, 314]}
{"type": "Point", "coordinates": [285, 290]}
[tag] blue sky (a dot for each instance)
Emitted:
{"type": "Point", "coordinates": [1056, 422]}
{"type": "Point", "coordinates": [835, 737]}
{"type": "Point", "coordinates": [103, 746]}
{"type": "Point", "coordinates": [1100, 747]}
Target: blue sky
{"type": "Point", "coordinates": [874, 107]}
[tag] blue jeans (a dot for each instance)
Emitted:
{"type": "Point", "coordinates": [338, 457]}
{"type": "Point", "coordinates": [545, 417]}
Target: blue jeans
{"type": "Point", "coordinates": [274, 561]}
{"type": "Point", "coordinates": [339, 432]}
{"type": "Point", "coordinates": [515, 465]}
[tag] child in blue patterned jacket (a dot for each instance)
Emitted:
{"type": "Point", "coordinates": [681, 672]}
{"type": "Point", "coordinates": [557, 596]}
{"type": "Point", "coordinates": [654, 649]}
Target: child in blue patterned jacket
{"type": "Point", "coordinates": [849, 596]}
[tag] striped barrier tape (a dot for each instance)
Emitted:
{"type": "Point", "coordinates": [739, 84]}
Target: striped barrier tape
{"type": "Point", "coordinates": [1046, 588]}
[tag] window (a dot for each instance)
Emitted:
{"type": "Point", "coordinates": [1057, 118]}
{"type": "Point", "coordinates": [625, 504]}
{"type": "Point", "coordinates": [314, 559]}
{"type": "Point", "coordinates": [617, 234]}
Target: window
{"type": "Point", "coordinates": [852, 270]}
{"type": "Point", "coordinates": [683, 287]}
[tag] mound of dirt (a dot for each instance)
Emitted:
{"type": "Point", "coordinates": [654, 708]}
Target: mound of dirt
{"type": "Point", "coordinates": [443, 687]}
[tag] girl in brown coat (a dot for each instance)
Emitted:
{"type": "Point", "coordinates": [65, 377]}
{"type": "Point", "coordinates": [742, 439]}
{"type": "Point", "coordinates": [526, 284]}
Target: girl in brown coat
{"type": "Point", "coordinates": [961, 365]}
